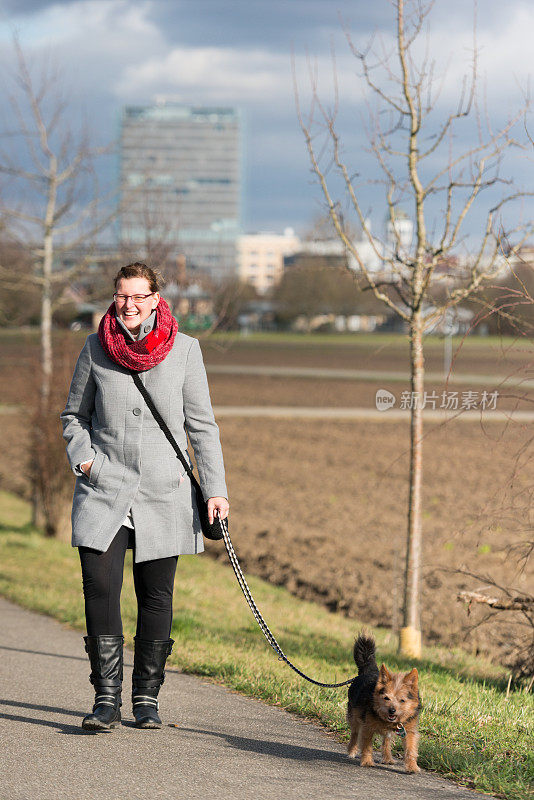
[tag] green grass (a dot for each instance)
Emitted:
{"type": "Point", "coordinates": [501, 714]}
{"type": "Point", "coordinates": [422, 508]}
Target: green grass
{"type": "Point", "coordinates": [472, 730]}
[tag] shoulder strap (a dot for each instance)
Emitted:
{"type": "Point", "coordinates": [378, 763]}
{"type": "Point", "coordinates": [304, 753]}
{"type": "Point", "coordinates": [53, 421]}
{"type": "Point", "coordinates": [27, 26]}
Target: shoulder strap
{"type": "Point", "coordinates": [163, 425]}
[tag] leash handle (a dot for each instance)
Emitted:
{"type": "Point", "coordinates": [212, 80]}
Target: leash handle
{"type": "Point", "coordinates": [258, 617]}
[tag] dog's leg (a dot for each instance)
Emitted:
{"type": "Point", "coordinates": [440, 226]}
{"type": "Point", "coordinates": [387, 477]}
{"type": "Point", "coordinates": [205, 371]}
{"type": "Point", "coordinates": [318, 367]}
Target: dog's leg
{"type": "Point", "coordinates": [410, 751]}
{"type": "Point", "coordinates": [353, 744]}
{"type": "Point", "coordinates": [366, 745]}
{"type": "Point", "coordinates": [354, 723]}
{"type": "Point", "coordinates": [387, 757]}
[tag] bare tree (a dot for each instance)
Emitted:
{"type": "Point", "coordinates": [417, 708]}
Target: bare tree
{"type": "Point", "coordinates": [51, 208]}
{"type": "Point", "coordinates": [420, 167]}
{"type": "Point", "coordinates": [50, 201]}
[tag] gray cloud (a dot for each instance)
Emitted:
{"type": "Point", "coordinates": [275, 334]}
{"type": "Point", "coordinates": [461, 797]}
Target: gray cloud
{"type": "Point", "coordinates": [26, 7]}
{"type": "Point", "coordinates": [274, 25]}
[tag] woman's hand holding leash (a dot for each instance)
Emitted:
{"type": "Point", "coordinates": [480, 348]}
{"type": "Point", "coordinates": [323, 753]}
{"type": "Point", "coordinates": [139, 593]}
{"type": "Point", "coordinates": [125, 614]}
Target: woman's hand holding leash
{"type": "Point", "coordinates": [219, 506]}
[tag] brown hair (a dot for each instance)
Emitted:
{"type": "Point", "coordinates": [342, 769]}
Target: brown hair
{"type": "Point", "coordinates": [140, 270]}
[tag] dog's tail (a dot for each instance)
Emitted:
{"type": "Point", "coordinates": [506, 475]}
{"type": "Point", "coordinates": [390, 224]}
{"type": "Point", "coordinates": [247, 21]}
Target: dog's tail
{"type": "Point", "coordinates": [364, 652]}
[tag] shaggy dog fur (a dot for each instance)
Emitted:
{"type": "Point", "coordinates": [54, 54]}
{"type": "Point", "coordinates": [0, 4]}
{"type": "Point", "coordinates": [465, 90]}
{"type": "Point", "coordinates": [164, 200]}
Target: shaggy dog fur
{"type": "Point", "coordinates": [382, 702]}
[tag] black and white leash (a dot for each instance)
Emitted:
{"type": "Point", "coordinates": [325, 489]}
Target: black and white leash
{"type": "Point", "coordinates": [227, 541]}
{"type": "Point", "coordinates": [259, 619]}
{"type": "Point", "coordinates": [400, 730]}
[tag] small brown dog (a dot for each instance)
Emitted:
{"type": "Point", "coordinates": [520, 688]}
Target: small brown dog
{"type": "Point", "coordinates": [382, 702]}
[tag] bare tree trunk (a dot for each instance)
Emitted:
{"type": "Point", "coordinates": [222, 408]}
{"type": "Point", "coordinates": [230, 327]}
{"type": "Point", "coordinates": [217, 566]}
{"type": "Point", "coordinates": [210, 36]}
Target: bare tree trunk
{"type": "Point", "coordinates": [410, 635]}
{"type": "Point", "coordinates": [45, 368]}
{"type": "Point", "coordinates": [46, 343]}
{"type": "Point", "coordinates": [46, 308]}
{"type": "Point", "coordinates": [39, 515]}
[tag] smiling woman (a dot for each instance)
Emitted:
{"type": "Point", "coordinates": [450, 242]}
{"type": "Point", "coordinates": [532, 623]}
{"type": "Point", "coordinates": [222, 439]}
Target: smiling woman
{"type": "Point", "coordinates": [132, 299]}
{"type": "Point", "coordinates": [129, 491]}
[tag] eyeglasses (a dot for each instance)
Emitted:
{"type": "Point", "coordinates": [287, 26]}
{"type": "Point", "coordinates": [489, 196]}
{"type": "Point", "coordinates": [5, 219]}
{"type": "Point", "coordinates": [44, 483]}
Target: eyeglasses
{"type": "Point", "coordinates": [137, 298]}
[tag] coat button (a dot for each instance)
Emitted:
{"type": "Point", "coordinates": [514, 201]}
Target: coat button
{"type": "Point", "coordinates": [147, 328]}
{"type": "Point", "coordinates": [137, 411]}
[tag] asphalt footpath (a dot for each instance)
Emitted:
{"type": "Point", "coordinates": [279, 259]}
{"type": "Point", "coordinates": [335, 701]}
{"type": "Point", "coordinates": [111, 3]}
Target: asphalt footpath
{"type": "Point", "coordinates": [214, 743]}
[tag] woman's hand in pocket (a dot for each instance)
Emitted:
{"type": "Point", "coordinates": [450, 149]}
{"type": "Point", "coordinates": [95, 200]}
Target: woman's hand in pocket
{"type": "Point", "coordinates": [86, 467]}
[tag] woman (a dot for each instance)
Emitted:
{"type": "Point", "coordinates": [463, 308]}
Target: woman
{"type": "Point", "coordinates": [131, 490]}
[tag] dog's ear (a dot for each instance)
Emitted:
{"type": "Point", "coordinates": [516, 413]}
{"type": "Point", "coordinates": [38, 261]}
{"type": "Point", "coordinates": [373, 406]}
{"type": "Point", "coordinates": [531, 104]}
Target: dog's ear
{"type": "Point", "coordinates": [411, 678]}
{"type": "Point", "coordinates": [384, 675]}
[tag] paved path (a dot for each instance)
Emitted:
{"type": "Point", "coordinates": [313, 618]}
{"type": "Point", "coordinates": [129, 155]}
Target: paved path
{"type": "Point", "coordinates": [225, 745]}
{"type": "Point", "coordinates": [391, 415]}
{"type": "Point", "coordinates": [488, 381]}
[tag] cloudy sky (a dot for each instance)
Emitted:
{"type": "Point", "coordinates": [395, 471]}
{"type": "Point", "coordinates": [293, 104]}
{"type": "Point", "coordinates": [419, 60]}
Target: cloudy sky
{"type": "Point", "coordinates": [238, 52]}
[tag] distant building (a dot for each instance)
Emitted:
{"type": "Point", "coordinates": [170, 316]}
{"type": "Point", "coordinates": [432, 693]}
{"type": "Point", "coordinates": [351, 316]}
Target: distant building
{"type": "Point", "coordinates": [324, 248]}
{"type": "Point", "coordinates": [180, 170]}
{"type": "Point", "coordinates": [260, 257]}
{"type": "Point", "coordinates": [334, 253]}
{"type": "Point", "coordinates": [399, 233]}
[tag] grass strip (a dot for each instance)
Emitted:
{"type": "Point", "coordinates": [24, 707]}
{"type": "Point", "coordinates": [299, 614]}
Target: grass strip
{"type": "Point", "coordinates": [472, 729]}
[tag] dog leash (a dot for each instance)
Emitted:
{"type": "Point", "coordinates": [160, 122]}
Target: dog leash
{"type": "Point", "coordinates": [258, 617]}
{"type": "Point", "coordinates": [228, 543]}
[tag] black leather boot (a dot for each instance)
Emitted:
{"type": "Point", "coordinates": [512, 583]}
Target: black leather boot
{"type": "Point", "coordinates": [105, 655]}
{"type": "Point", "coordinates": [148, 675]}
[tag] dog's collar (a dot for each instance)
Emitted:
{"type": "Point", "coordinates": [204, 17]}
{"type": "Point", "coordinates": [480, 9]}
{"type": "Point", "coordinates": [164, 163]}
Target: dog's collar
{"type": "Point", "coordinates": [400, 730]}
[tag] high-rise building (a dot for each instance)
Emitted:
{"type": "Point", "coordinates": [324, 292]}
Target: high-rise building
{"type": "Point", "coordinates": [181, 181]}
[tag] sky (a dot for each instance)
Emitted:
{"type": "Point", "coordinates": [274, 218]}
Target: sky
{"type": "Point", "coordinates": [112, 53]}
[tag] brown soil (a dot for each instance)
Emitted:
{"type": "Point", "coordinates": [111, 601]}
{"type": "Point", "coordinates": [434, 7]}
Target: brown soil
{"type": "Point", "coordinates": [321, 509]}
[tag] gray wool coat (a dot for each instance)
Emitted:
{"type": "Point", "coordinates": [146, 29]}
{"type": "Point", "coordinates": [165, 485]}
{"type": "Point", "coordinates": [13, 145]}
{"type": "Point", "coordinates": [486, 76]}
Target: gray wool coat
{"type": "Point", "coordinates": [135, 467]}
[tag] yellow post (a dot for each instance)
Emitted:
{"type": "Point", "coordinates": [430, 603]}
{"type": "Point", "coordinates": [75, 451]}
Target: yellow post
{"type": "Point", "coordinates": [410, 643]}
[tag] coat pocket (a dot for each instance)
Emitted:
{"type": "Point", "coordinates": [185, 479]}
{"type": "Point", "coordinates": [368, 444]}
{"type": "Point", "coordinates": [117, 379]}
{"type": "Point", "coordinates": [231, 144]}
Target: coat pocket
{"type": "Point", "coordinates": [96, 469]}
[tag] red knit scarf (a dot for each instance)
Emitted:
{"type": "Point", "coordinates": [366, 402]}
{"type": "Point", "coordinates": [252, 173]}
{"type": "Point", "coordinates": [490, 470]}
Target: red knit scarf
{"type": "Point", "coordinates": [138, 355]}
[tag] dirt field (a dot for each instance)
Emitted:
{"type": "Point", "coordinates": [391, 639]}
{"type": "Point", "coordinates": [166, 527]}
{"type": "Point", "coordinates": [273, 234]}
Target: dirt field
{"type": "Point", "coordinates": [381, 352]}
{"type": "Point", "coordinates": [321, 507]}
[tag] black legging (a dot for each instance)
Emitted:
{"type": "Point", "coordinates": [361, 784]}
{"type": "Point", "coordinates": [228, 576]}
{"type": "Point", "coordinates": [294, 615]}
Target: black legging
{"type": "Point", "coordinates": [102, 583]}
